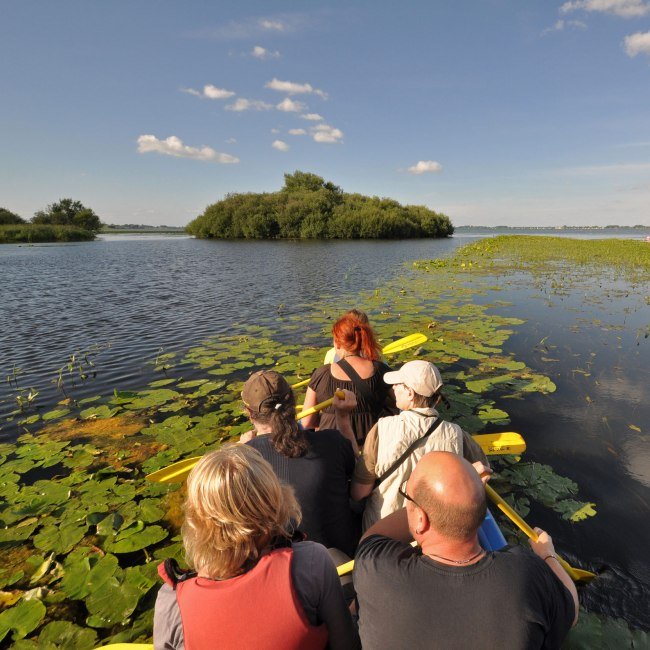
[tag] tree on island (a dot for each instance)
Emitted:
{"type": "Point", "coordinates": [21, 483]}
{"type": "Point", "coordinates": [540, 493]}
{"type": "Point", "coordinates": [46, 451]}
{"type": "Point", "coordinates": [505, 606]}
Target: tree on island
{"type": "Point", "coordinates": [69, 213]}
{"type": "Point", "coordinates": [308, 207]}
{"type": "Point", "coordinates": [9, 218]}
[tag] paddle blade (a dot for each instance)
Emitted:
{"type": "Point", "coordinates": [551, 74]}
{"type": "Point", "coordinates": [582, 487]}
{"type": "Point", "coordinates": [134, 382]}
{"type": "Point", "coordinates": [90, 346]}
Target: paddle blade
{"type": "Point", "coordinates": [175, 473]}
{"type": "Point", "coordinates": [507, 442]}
{"type": "Point", "coordinates": [405, 343]}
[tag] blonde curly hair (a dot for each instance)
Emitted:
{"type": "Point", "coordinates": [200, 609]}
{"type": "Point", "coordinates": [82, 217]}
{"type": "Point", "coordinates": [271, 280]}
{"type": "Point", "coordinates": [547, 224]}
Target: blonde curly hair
{"type": "Point", "coordinates": [235, 506]}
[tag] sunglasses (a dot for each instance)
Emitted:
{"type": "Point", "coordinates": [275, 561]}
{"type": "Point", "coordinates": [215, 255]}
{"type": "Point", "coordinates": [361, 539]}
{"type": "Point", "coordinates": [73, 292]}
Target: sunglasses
{"type": "Point", "coordinates": [402, 490]}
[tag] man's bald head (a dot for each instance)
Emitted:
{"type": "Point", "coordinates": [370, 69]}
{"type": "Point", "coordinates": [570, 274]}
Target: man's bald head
{"type": "Point", "coordinates": [451, 493]}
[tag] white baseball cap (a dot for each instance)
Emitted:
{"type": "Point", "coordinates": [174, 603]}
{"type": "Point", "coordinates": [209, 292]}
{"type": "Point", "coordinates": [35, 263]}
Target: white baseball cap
{"type": "Point", "coordinates": [419, 375]}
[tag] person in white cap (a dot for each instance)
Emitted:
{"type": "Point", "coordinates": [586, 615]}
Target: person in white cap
{"type": "Point", "coordinates": [395, 444]}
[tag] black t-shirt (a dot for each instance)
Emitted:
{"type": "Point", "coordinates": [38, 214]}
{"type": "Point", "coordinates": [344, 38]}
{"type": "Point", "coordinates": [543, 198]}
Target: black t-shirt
{"type": "Point", "coordinates": [320, 479]}
{"type": "Point", "coordinates": [509, 599]}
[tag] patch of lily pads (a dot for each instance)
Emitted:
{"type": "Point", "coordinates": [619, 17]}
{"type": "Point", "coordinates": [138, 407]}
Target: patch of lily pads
{"type": "Point", "coordinates": [79, 549]}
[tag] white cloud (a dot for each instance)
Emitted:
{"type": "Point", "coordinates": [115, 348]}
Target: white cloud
{"type": "Point", "coordinates": [280, 146]}
{"type": "Point", "coordinates": [231, 140]}
{"type": "Point", "coordinates": [241, 104]}
{"type": "Point", "coordinates": [623, 8]}
{"type": "Point", "coordinates": [297, 132]}
{"type": "Point", "coordinates": [262, 53]}
{"type": "Point", "coordinates": [209, 92]}
{"type": "Point", "coordinates": [289, 106]}
{"type": "Point", "coordinates": [324, 133]}
{"type": "Point", "coordinates": [212, 92]}
{"type": "Point", "coordinates": [275, 131]}
{"type": "Point", "coordinates": [638, 43]}
{"type": "Point", "coordinates": [425, 167]}
{"type": "Point", "coordinates": [561, 25]}
{"type": "Point", "coordinates": [312, 117]}
{"type": "Point", "coordinates": [173, 146]}
{"type": "Point", "coordinates": [274, 25]}
{"type": "Point", "coordinates": [292, 88]}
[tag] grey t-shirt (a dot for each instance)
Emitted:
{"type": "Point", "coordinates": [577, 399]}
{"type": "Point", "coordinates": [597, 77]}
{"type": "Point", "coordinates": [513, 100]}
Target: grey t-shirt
{"type": "Point", "coordinates": [509, 599]}
{"type": "Point", "coordinates": [317, 586]}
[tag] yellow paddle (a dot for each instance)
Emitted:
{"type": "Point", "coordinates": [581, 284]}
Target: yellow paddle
{"type": "Point", "coordinates": [178, 472]}
{"type": "Point", "coordinates": [492, 444]}
{"type": "Point", "coordinates": [577, 575]}
{"type": "Point", "coordinates": [404, 343]}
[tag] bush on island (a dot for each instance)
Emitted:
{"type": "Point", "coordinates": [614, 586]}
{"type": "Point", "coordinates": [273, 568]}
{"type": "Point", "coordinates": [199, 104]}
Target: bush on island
{"type": "Point", "coordinates": [308, 207]}
{"type": "Point", "coordinates": [30, 233]}
{"type": "Point", "coordinates": [9, 218]}
{"type": "Point", "coordinates": [69, 213]}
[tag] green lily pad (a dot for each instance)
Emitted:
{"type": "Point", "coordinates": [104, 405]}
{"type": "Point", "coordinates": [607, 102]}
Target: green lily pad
{"type": "Point", "coordinates": [64, 634]}
{"type": "Point", "coordinates": [55, 414]}
{"type": "Point", "coordinates": [138, 539]}
{"type": "Point", "coordinates": [85, 573]}
{"type": "Point", "coordinates": [60, 539]}
{"type": "Point", "coordinates": [99, 412]}
{"type": "Point", "coordinates": [192, 384]}
{"type": "Point", "coordinates": [21, 619]}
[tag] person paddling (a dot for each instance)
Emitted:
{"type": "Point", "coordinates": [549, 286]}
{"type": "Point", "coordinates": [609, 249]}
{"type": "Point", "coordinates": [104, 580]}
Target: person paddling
{"type": "Point", "coordinates": [253, 586]}
{"type": "Point", "coordinates": [448, 592]}
{"type": "Point", "coordinates": [317, 464]}
{"type": "Point", "coordinates": [358, 369]}
{"type": "Point", "coordinates": [395, 444]}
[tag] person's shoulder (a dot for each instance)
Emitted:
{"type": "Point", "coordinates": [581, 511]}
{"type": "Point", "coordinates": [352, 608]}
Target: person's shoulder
{"type": "Point", "coordinates": [376, 546]}
{"type": "Point", "coordinates": [320, 372]}
{"type": "Point", "coordinates": [261, 443]}
{"type": "Point", "coordinates": [308, 554]}
{"type": "Point", "coordinates": [521, 560]}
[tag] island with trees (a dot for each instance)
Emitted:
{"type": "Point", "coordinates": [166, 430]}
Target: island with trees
{"type": "Point", "coordinates": [63, 221]}
{"type": "Point", "coordinates": [308, 207]}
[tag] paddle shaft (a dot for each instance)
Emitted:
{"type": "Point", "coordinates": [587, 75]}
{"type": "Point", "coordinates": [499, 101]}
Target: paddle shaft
{"type": "Point", "coordinates": [576, 574]}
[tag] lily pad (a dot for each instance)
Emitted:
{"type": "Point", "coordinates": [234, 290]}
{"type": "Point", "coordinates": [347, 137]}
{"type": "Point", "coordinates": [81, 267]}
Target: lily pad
{"type": "Point", "coordinates": [138, 539]}
{"type": "Point", "coordinates": [21, 619]}
{"type": "Point", "coordinates": [55, 414]}
{"type": "Point", "coordinates": [64, 634]}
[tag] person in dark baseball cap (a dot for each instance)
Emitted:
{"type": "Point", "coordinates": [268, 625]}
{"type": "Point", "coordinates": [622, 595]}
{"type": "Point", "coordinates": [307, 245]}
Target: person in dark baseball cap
{"type": "Point", "coordinates": [317, 464]}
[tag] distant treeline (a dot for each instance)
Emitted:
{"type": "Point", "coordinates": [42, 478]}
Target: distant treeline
{"type": "Point", "coordinates": [66, 220]}
{"type": "Point", "coordinates": [30, 233]}
{"type": "Point", "coordinates": [307, 207]}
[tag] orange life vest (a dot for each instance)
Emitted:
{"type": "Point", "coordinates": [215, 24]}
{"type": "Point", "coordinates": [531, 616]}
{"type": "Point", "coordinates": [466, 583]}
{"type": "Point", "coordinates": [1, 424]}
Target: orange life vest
{"type": "Point", "coordinates": [259, 609]}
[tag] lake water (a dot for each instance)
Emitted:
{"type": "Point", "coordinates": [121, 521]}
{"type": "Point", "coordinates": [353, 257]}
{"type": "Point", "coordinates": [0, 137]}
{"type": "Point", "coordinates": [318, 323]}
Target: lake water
{"type": "Point", "coordinates": [138, 296]}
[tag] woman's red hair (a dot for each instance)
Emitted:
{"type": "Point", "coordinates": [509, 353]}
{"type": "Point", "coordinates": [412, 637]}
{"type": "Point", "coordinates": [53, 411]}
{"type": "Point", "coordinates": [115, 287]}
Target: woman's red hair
{"type": "Point", "coordinates": [356, 336]}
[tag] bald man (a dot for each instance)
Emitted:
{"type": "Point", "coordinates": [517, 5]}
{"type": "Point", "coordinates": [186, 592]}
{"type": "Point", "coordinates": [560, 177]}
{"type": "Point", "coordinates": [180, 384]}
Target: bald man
{"type": "Point", "coordinates": [448, 592]}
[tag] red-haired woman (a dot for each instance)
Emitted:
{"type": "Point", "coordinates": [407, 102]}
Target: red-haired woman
{"type": "Point", "coordinates": [357, 369]}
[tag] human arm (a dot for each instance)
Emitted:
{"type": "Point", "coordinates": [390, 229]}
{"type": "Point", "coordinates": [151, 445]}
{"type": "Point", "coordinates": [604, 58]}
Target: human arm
{"type": "Point", "coordinates": [395, 525]}
{"type": "Point", "coordinates": [483, 471]}
{"type": "Point", "coordinates": [167, 625]}
{"type": "Point", "coordinates": [319, 589]}
{"type": "Point", "coordinates": [248, 436]}
{"type": "Point", "coordinates": [363, 479]}
{"type": "Point", "coordinates": [472, 451]}
{"type": "Point", "coordinates": [311, 421]}
{"type": "Point", "coordinates": [342, 408]}
{"type": "Point", "coordinates": [545, 550]}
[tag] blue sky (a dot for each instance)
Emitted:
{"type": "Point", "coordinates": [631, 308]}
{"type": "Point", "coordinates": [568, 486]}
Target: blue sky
{"type": "Point", "coordinates": [491, 111]}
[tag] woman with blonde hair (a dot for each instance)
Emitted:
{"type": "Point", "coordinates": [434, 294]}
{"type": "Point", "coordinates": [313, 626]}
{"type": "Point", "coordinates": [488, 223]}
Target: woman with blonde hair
{"type": "Point", "coordinates": [252, 585]}
{"type": "Point", "coordinates": [357, 368]}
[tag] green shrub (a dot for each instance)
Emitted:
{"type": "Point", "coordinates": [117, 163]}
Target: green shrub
{"type": "Point", "coordinates": [307, 207]}
{"type": "Point", "coordinates": [31, 233]}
